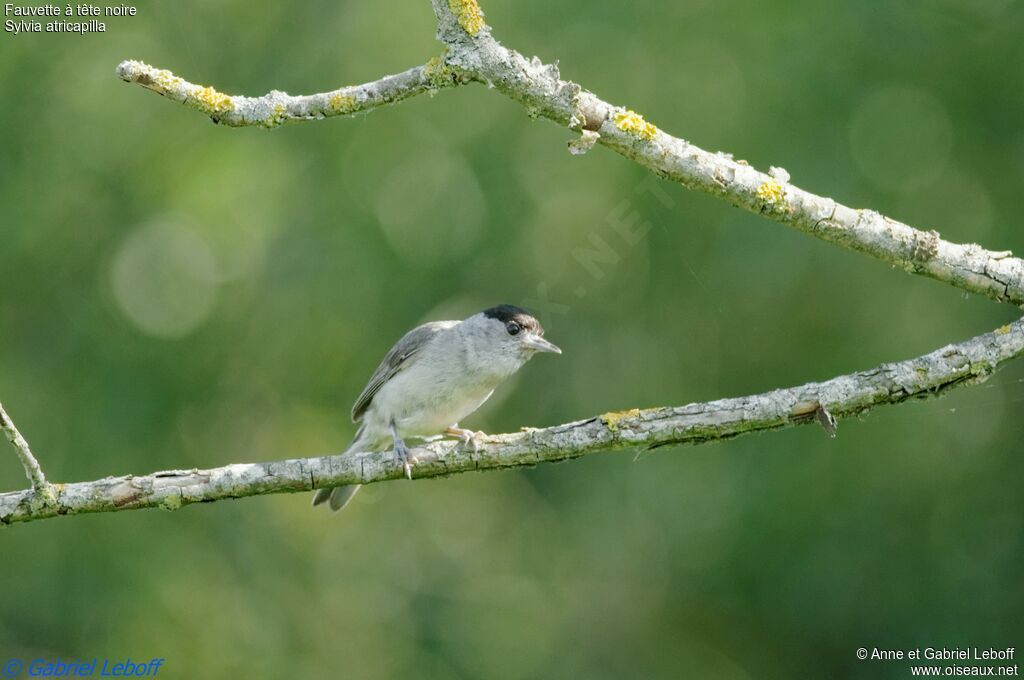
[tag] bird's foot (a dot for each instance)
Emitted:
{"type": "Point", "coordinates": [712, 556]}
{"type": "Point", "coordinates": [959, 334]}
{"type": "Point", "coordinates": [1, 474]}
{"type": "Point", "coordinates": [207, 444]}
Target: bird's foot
{"type": "Point", "coordinates": [403, 458]}
{"type": "Point", "coordinates": [467, 437]}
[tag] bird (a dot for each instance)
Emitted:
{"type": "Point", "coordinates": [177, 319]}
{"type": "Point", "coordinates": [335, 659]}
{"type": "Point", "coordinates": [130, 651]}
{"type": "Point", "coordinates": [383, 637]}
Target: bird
{"type": "Point", "coordinates": [435, 376]}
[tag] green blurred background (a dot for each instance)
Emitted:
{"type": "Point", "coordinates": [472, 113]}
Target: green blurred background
{"type": "Point", "coordinates": [178, 294]}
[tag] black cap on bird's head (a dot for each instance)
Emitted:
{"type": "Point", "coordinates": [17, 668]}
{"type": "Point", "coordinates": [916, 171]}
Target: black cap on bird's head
{"type": "Point", "coordinates": [506, 313]}
{"type": "Point", "coordinates": [517, 320]}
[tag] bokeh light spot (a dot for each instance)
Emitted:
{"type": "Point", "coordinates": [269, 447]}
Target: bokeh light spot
{"type": "Point", "coordinates": [164, 278]}
{"type": "Point", "coordinates": [431, 209]}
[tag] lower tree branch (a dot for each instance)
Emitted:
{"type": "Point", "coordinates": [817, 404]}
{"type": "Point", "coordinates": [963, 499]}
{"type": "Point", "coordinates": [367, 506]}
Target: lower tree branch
{"type": "Point", "coordinates": [925, 377]}
{"type": "Point", "coordinates": [32, 470]}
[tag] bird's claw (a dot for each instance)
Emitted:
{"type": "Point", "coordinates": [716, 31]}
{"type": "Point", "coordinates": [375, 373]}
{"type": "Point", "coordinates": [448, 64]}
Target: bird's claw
{"type": "Point", "coordinates": [468, 437]}
{"type": "Point", "coordinates": [402, 457]}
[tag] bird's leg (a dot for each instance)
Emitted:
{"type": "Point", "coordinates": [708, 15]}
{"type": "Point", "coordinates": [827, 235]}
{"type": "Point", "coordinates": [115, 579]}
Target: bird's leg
{"type": "Point", "coordinates": [466, 436]}
{"type": "Point", "coordinates": [401, 451]}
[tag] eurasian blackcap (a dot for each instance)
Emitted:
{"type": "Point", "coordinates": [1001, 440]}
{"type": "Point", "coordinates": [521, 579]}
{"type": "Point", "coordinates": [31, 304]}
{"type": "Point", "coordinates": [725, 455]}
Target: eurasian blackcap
{"type": "Point", "coordinates": [435, 376]}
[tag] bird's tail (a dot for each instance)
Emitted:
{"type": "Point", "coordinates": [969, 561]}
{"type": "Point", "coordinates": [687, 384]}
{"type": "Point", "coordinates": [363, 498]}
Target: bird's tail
{"type": "Point", "coordinates": [339, 496]}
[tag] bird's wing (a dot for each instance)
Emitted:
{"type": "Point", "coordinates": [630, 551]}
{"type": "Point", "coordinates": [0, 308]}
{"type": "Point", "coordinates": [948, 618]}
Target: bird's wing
{"type": "Point", "coordinates": [400, 356]}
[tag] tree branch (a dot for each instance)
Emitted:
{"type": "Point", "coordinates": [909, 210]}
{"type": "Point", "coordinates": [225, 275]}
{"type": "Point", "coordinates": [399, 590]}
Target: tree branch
{"type": "Point", "coordinates": [473, 54]}
{"type": "Point", "coordinates": [921, 378]}
{"type": "Point", "coordinates": [276, 108]}
{"type": "Point", "coordinates": [40, 489]}
{"type": "Point", "coordinates": [541, 90]}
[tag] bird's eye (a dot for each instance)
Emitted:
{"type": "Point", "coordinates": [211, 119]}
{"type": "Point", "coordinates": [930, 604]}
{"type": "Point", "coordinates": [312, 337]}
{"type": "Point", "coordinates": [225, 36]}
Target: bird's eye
{"type": "Point", "coordinates": [513, 328]}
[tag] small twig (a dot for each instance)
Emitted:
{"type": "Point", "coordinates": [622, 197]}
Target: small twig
{"type": "Point", "coordinates": [28, 461]}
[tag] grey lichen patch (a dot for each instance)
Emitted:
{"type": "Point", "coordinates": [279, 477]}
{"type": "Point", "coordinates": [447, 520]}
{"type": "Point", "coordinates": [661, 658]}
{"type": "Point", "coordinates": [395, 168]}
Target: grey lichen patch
{"type": "Point", "coordinates": [584, 143]}
{"type": "Point", "coordinates": [925, 246]}
{"type": "Point", "coordinates": [578, 119]}
{"type": "Point", "coordinates": [724, 176]}
{"type": "Point", "coordinates": [128, 69]}
{"type": "Point", "coordinates": [779, 174]}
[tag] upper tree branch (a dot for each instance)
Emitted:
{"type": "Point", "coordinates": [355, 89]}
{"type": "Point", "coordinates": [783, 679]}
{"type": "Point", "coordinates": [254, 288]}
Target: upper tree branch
{"type": "Point", "coordinates": [540, 88]}
{"type": "Point", "coordinates": [275, 108]}
{"type": "Point", "coordinates": [473, 54]}
{"type": "Point", "coordinates": [924, 377]}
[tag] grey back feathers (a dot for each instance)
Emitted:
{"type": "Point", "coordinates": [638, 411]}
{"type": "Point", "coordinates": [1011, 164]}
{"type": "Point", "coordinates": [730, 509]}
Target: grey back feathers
{"type": "Point", "coordinates": [400, 356]}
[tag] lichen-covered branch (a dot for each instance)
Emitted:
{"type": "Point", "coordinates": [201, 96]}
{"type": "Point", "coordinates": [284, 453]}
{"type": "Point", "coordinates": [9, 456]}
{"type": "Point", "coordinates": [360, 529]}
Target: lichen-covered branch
{"type": "Point", "coordinates": [276, 108]}
{"type": "Point", "coordinates": [924, 377]}
{"type": "Point", "coordinates": [472, 54]}
{"type": "Point", "coordinates": [28, 461]}
{"type": "Point", "coordinates": [539, 88]}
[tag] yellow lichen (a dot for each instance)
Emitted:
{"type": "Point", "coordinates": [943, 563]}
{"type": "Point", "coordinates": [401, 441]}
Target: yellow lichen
{"type": "Point", "coordinates": [433, 66]}
{"type": "Point", "coordinates": [156, 79]}
{"type": "Point", "coordinates": [633, 122]}
{"type": "Point", "coordinates": [171, 501]}
{"type": "Point", "coordinates": [611, 419]}
{"type": "Point", "coordinates": [772, 193]}
{"type": "Point", "coordinates": [212, 101]}
{"type": "Point", "coordinates": [439, 74]}
{"type": "Point", "coordinates": [469, 15]}
{"type": "Point", "coordinates": [277, 116]}
{"type": "Point", "coordinates": [341, 103]}
{"type": "Point", "coordinates": [166, 80]}
{"type": "Point", "coordinates": [1002, 330]}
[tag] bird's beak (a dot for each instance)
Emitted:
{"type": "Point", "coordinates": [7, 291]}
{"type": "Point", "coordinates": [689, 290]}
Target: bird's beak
{"type": "Point", "coordinates": [535, 342]}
